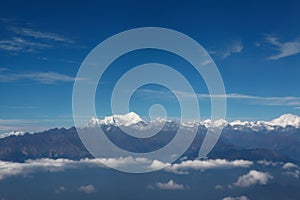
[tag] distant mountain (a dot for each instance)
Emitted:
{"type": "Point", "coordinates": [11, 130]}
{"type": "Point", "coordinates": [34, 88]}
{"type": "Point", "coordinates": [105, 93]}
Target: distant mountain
{"type": "Point", "coordinates": [278, 144]}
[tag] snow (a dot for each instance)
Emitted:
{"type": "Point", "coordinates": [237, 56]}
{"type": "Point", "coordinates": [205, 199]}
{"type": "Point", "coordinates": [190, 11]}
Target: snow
{"type": "Point", "coordinates": [117, 120]}
{"type": "Point", "coordinates": [287, 120]}
{"type": "Point", "coordinates": [16, 133]}
{"type": "Point", "coordinates": [133, 120]}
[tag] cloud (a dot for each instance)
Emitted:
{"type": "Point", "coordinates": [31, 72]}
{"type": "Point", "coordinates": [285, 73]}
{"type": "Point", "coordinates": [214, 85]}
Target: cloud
{"type": "Point", "coordinates": [171, 185]}
{"type": "Point", "coordinates": [39, 35]}
{"type": "Point", "coordinates": [219, 187]}
{"type": "Point", "coordinates": [289, 165]}
{"type": "Point", "coordinates": [41, 77]}
{"type": "Point", "coordinates": [24, 39]}
{"type": "Point", "coordinates": [20, 44]}
{"type": "Point", "coordinates": [183, 167]}
{"type": "Point", "coordinates": [236, 198]}
{"type": "Point", "coordinates": [268, 163]}
{"type": "Point", "coordinates": [60, 189]}
{"type": "Point", "coordinates": [284, 49]}
{"type": "Point", "coordinates": [8, 169]}
{"type": "Point", "coordinates": [252, 178]}
{"type": "Point", "coordinates": [292, 101]}
{"type": "Point", "coordinates": [291, 170]}
{"type": "Point", "coordinates": [294, 174]}
{"type": "Point", "coordinates": [235, 47]}
{"type": "Point", "coordinates": [88, 189]}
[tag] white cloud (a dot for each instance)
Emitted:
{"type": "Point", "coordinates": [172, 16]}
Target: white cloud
{"type": "Point", "coordinates": [38, 34]}
{"type": "Point", "coordinates": [284, 49]}
{"type": "Point", "coordinates": [171, 185]}
{"type": "Point", "coordinates": [8, 169]}
{"type": "Point", "coordinates": [42, 77]}
{"type": "Point", "coordinates": [291, 170]}
{"type": "Point", "coordinates": [294, 174]}
{"type": "Point", "coordinates": [60, 189]}
{"type": "Point", "coordinates": [236, 198]}
{"type": "Point", "coordinates": [235, 47]}
{"type": "Point", "coordinates": [88, 189]}
{"type": "Point", "coordinates": [267, 163]}
{"type": "Point", "coordinates": [219, 187]}
{"type": "Point", "coordinates": [252, 178]}
{"type": "Point", "coordinates": [183, 167]}
{"type": "Point", "coordinates": [20, 44]}
{"type": "Point", "coordinates": [292, 101]}
{"type": "Point", "coordinates": [289, 165]}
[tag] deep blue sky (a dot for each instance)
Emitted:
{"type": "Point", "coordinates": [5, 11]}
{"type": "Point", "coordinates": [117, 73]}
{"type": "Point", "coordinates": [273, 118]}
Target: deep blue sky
{"type": "Point", "coordinates": [255, 44]}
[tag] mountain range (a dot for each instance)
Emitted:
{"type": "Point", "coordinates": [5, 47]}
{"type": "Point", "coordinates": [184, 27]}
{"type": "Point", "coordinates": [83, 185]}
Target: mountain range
{"type": "Point", "coordinates": [276, 140]}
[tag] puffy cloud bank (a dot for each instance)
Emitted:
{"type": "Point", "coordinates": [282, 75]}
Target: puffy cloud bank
{"type": "Point", "coordinates": [183, 167]}
{"type": "Point", "coordinates": [253, 177]}
{"type": "Point", "coordinates": [236, 198]}
{"type": "Point", "coordinates": [88, 189]}
{"type": "Point", "coordinates": [171, 185]}
{"type": "Point", "coordinates": [8, 169]}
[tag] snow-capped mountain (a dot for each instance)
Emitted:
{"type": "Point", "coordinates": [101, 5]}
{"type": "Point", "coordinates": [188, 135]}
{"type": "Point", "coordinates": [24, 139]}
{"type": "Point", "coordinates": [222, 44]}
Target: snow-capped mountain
{"type": "Point", "coordinates": [134, 121]}
{"type": "Point", "coordinates": [16, 133]}
{"type": "Point", "coordinates": [117, 120]}
{"type": "Point", "coordinates": [283, 121]}
{"type": "Point", "coordinates": [132, 118]}
{"type": "Point", "coordinates": [287, 120]}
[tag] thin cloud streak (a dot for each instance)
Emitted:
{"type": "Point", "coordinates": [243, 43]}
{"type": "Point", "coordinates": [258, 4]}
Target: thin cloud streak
{"type": "Point", "coordinates": [258, 100]}
{"type": "Point", "coordinates": [41, 77]}
{"type": "Point", "coordinates": [39, 35]}
{"type": "Point", "coordinates": [20, 44]}
{"type": "Point", "coordinates": [284, 49]}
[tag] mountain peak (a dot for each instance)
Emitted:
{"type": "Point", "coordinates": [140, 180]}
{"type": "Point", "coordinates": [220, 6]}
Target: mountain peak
{"type": "Point", "coordinates": [118, 120]}
{"type": "Point", "coordinates": [287, 120]}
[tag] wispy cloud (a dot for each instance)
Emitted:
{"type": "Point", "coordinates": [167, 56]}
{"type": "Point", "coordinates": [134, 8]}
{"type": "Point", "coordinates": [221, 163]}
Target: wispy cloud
{"type": "Point", "coordinates": [41, 77]}
{"type": "Point", "coordinates": [292, 101]}
{"type": "Point", "coordinates": [2, 69]}
{"type": "Point", "coordinates": [270, 101]}
{"type": "Point", "coordinates": [39, 35]}
{"type": "Point", "coordinates": [284, 49]}
{"type": "Point", "coordinates": [20, 44]}
{"type": "Point", "coordinates": [23, 38]}
{"type": "Point", "coordinates": [232, 48]}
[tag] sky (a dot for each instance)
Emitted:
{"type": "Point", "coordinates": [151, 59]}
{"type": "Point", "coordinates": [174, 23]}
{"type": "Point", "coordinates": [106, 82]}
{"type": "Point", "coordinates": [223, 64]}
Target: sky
{"type": "Point", "coordinates": [255, 45]}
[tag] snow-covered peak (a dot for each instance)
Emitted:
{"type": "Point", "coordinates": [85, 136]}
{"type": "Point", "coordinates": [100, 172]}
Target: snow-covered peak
{"type": "Point", "coordinates": [208, 123]}
{"type": "Point", "coordinates": [117, 120]}
{"type": "Point", "coordinates": [16, 133]}
{"type": "Point", "coordinates": [282, 121]}
{"type": "Point", "coordinates": [287, 120]}
{"type": "Point", "coordinates": [134, 119]}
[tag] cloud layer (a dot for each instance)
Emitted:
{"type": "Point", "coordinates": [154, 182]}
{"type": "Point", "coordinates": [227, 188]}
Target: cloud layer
{"type": "Point", "coordinates": [183, 167]}
{"type": "Point", "coordinates": [8, 169]}
{"type": "Point", "coordinates": [41, 77]}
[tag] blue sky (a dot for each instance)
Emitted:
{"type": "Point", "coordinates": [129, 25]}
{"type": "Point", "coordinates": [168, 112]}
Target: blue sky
{"type": "Point", "coordinates": [255, 44]}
